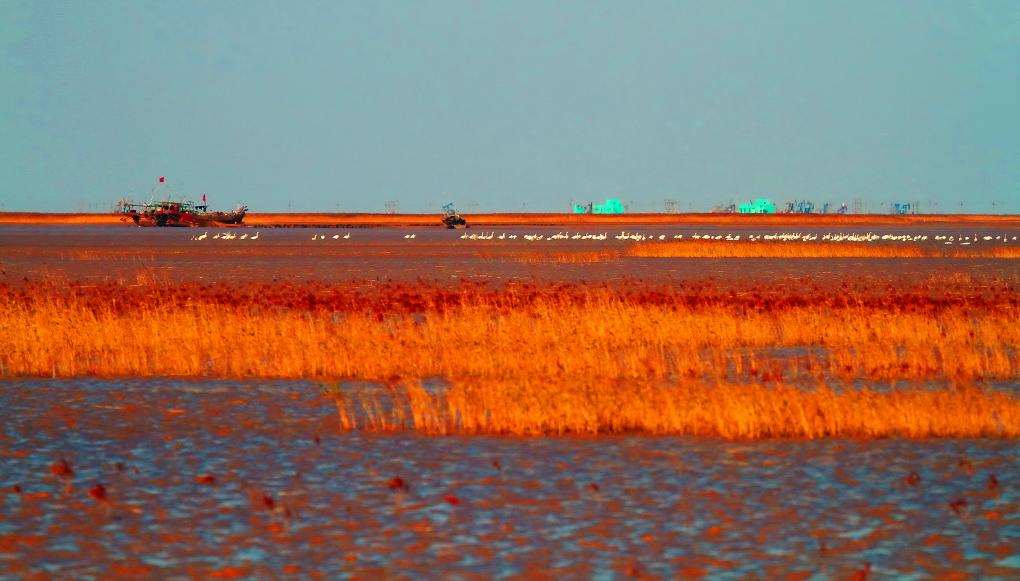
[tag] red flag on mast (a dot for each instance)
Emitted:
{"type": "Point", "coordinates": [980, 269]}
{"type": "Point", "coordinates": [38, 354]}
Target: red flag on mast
{"type": "Point", "coordinates": [162, 179]}
{"type": "Point", "coordinates": [203, 197]}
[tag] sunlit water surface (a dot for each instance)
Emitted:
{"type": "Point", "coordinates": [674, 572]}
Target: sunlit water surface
{"type": "Point", "coordinates": [101, 254]}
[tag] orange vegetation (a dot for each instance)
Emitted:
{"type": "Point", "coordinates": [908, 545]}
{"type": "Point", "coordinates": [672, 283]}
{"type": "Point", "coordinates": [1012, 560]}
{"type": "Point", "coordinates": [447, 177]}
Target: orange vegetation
{"type": "Point", "coordinates": [724, 410]}
{"type": "Point", "coordinates": [570, 219]}
{"type": "Point", "coordinates": [754, 362]}
{"type": "Point", "coordinates": [549, 219]}
{"type": "Point", "coordinates": [798, 249]}
{"type": "Point", "coordinates": [53, 218]}
{"type": "Point", "coordinates": [546, 257]}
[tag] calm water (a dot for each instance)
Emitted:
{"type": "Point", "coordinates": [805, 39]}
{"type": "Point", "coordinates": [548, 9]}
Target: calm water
{"type": "Point", "coordinates": [291, 495]}
{"type": "Point", "coordinates": [123, 253]}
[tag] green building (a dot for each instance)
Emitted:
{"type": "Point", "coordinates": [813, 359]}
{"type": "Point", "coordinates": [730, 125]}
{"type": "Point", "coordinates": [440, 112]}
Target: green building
{"type": "Point", "coordinates": [758, 206]}
{"type": "Point", "coordinates": [610, 207]}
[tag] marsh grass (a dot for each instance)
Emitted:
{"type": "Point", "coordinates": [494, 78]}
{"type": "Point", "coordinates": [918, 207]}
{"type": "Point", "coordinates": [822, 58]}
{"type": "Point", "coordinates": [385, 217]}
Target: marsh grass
{"type": "Point", "coordinates": [722, 410]}
{"type": "Point", "coordinates": [800, 249]}
{"type": "Point", "coordinates": [557, 358]}
{"type": "Point", "coordinates": [104, 254]}
{"type": "Point", "coordinates": [577, 257]}
{"type": "Point", "coordinates": [602, 337]}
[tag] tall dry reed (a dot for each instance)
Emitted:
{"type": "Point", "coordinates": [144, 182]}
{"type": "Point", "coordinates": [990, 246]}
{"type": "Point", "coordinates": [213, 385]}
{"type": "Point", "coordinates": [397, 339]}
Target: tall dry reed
{"type": "Point", "coordinates": [531, 407]}
{"type": "Point", "coordinates": [603, 337]}
{"type": "Point", "coordinates": [599, 359]}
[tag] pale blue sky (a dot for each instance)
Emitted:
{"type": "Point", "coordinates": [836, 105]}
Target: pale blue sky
{"type": "Point", "coordinates": [326, 106]}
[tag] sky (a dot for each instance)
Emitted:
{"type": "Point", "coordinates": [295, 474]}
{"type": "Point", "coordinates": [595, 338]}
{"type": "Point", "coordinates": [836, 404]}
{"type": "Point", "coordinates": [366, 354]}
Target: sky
{"type": "Point", "coordinates": [510, 106]}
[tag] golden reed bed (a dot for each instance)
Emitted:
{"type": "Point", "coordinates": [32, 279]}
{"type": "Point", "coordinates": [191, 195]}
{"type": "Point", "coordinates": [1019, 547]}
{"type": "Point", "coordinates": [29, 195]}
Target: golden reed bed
{"type": "Point", "coordinates": [797, 249]}
{"type": "Point", "coordinates": [727, 411]}
{"type": "Point", "coordinates": [726, 249]}
{"type": "Point", "coordinates": [759, 362]}
{"type": "Point", "coordinates": [527, 253]}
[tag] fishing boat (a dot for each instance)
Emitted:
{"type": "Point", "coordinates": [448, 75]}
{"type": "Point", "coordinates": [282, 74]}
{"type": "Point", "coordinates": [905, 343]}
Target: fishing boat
{"type": "Point", "coordinates": [173, 213]}
{"type": "Point", "coordinates": [169, 213]}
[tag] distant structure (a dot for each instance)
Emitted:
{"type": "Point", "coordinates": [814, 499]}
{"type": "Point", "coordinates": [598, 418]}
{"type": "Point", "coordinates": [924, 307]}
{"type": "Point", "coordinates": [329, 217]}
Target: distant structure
{"type": "Point", "coordinates": [800, 207]}
{"type": "Point", "coordinates": [904, 207]}
{"type": "Point", "coordinates": [827, 208]}
{"type": "Point", "coordinates": [392, 207]}
{"type": "Point", "coordinates": [671, 206]}
{"type": "Point", "coordinates": [452, 218]}
{"type": "Point", "coordinates": [758, 206]}
{"type": "Point", "coordinates": [857, 206]}
{"type": "Point", "coordinates": [610, 207]}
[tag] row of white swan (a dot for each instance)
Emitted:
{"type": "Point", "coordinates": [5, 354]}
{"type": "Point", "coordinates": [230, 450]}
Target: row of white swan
{"type": "Point", "coordinates": [962, 239]}
{"type": "Point", "coordinates": [227, 236]}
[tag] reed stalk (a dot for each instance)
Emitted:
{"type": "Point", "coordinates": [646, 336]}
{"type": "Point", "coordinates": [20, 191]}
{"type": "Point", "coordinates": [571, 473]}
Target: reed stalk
{"type": "Point", "coordinates": [558, 359]}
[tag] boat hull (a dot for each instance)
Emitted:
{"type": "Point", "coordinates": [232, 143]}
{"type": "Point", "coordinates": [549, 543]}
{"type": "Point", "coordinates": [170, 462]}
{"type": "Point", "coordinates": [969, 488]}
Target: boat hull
{"type": "Point", "coordinates": [171, 219]}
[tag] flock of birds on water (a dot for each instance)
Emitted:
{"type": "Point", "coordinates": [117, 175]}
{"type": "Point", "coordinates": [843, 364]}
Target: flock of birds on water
{"type": "Point", "coordinates": [946, 239]}
{"type": "Point", "coordinates": [227, 236]}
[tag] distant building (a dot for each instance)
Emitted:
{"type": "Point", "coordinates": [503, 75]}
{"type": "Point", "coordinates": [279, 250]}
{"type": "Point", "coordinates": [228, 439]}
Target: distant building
{"type": "Point", "coordinates": [758, 206]}
{"type": "Point", "coordinates": [610, 207]}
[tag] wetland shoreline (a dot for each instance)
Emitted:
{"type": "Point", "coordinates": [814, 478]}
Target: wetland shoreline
{"type": "Point", "coordinates": [349, 220]}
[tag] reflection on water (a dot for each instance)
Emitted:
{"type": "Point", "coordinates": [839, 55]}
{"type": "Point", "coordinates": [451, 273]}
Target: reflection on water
{"type": "Point", "coordinates": [253, 479]}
